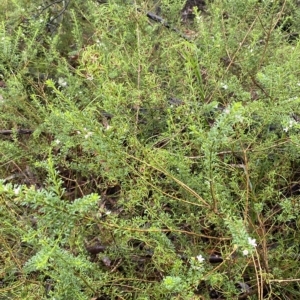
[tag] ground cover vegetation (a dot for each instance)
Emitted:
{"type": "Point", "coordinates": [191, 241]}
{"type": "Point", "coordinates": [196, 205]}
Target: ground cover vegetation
{"type": "Point", "coordinates": [149, 149]}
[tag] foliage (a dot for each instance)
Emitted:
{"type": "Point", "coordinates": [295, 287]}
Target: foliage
{"type": "Point", "coordinates": [141, 163]}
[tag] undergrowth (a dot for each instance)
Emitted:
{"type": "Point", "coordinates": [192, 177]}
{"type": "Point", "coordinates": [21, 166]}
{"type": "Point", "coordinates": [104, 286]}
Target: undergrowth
{"type": "Point", "coordinates": [149, 160]}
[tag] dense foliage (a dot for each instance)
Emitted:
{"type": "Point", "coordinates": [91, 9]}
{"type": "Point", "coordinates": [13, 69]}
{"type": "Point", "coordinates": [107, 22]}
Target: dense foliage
{"type": "Point", "coordinates": [149, 160]}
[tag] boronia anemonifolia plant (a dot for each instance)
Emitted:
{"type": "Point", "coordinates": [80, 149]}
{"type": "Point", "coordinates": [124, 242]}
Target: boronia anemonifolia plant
{"type": "Point", "coordinates": [144, 156]}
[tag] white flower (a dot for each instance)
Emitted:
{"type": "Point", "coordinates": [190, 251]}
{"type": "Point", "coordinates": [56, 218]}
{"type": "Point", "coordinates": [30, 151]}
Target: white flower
{"type": "Point", "coordinates": [252, 242]}
{"type": "Point", "coordinates": [61, 82]}
{"type": "Point", "coordinates": [290, 124]}
{"type": "Point", "coordinates": [224, 86]}
{"type": "Point", "coordinates": [200, 258]}
{"type": "Point", "coordinates": [57, 141]}
{"type": "Point", "coordinates": [108, 212]}
{"type": "Point", "coordinates": [245, 252]}
{"type": "Point", "coordinates": [88, 135]}
{"type": "Point", "coordinates": [17, 190]}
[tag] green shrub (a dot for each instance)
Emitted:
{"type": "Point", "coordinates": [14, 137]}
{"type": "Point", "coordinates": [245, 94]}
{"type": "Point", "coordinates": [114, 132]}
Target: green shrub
{"type": "Point", "coordinates": [138, 164]}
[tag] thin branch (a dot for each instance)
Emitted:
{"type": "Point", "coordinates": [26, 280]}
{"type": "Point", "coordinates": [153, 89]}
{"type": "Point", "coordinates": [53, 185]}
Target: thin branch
{"type": "Point", "coordinates": [18, 131]}
{"type": "Point", "coordinates": [162, 21]}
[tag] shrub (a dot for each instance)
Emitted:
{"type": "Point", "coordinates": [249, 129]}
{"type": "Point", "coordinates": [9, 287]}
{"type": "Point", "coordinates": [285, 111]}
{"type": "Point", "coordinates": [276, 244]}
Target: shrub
{"type": "Point", "coordinates": [141, 162]}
